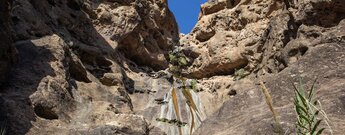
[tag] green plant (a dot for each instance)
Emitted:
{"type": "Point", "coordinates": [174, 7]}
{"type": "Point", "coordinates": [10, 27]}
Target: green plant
{"type": "Point", "coordinates": [240, 73]}
{"type": "Point", "coordinates": [193, 85]}
{"type": "Point", "coordinates": [308, 108]}
{"type": "Point", "coordinates": [177, 58]}
{"type": "Point", "coordinates": [173, 121]}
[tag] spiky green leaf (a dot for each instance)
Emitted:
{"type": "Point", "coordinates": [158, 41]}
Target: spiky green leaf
{"type": "Point", "coordinates": [301, 98]}
{"type": "Point", "coordinates": [301, 125]}
{"type": "Point", "coordinates": [315, 115]}
{"type": "Point", "coordinates": [315, 126]}
{"type": "Point", "coordinates": [182, 61]}
{"type": "Point", "coordinates": [172, 58]}
{"type": "Point", "coordinates": [306, 119]}
{"type": "Point", "coordinates": [311, 91]}
{"type": "Point", "coordinates": [320, 131]}
{"type": "Point", "coordinates": [298, 108]}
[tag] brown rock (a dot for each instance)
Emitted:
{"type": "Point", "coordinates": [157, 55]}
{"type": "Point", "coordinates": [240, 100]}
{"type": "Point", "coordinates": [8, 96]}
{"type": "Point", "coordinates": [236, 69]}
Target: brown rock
{"type": "Point", "coordinates": [111, 79]}
{"type": "Point", "coordinates": [290, 45]}
{"type": "Point", "coordinates": [212, 7]}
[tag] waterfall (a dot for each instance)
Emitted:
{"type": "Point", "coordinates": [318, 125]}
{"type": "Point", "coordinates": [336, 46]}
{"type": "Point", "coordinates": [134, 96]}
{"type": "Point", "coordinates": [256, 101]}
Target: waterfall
{"type": "Point", "coordinates": [169, 115]}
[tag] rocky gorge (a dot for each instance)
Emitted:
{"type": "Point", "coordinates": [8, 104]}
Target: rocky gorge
{"type": "Point", "coordinates": [101, 67]}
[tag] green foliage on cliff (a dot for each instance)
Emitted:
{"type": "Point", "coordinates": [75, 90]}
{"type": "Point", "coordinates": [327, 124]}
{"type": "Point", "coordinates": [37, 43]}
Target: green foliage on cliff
{"type": "Point", "coordinates": [308, 108]}
{"type": "Point", "coordinates": [240, 73]}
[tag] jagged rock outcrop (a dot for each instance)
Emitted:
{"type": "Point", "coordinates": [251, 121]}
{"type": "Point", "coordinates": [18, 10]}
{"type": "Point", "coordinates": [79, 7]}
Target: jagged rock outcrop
{"type": "Point", "coordinates": [74, 62]}
{"type": "Point", "coordinates": [277, 41]}
{"type": "Point", "coordinates": [224, 34]}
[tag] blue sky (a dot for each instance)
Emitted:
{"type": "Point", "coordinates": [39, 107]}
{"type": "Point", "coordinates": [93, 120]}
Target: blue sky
{"type": "Point", "coordinates": [186, 13]}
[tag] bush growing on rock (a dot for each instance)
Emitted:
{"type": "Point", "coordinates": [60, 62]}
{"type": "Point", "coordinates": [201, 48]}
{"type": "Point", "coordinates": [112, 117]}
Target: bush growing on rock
{"type": "Point", "coordinates": [308, 108]}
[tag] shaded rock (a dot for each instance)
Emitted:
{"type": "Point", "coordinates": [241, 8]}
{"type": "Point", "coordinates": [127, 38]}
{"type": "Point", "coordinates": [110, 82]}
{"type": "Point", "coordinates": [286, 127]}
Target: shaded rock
{"type": "Point", "coordinates": [116, 124]}
{"type": "Point", "coordinates": [7, 51]}
{"type": "Point", "coordinates": [150, 38]}
{"type": "Point", "coordinates": [111, 79]}
{"type": "Point", "coordinates": [321, 13]}
{"type": "Point", "coordinates": [77, 70]}
{"type": "Point", "coordinates": [51, 100]}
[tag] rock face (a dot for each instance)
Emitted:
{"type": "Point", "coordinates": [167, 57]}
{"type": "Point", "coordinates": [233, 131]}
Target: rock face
{"type": "Point", "coordinates": [277, 41]}
{"type": "Point", "coordinates": [96, 67]}
{"type": "Point", "coordinates": [74, 59]}
{"type": "Point", "coordinates": [6, 50]}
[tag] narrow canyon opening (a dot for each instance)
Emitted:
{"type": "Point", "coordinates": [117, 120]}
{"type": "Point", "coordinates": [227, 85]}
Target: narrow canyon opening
{"type": "Point", "coordinates": [186, 13]}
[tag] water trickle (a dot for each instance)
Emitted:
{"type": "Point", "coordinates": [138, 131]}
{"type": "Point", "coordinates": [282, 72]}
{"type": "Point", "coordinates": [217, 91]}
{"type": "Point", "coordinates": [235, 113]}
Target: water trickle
{"type": "Point", "coordinates": [170, 122]}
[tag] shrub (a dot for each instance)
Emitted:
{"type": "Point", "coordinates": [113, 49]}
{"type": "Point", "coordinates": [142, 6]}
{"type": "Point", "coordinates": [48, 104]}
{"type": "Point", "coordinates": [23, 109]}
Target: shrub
{"type": "Point", "coordinates": [240, 73]}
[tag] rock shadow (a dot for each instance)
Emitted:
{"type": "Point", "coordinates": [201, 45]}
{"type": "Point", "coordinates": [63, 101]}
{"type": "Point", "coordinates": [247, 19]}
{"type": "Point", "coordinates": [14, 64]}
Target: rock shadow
{"type": "Point", "coordinates": [24, 77]}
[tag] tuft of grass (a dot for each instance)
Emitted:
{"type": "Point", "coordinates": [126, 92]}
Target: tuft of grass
{"type": "Point", "coordinates": [308, 108]}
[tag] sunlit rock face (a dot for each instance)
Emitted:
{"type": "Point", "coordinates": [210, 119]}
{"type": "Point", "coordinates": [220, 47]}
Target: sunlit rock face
{"type": "Point", "coordinates": [277, 42]}
{"type": "Point", "coordinates": [96, 67]}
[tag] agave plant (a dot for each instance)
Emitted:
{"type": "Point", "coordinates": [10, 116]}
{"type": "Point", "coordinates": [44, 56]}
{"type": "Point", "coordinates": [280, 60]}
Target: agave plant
{"type": "Point", "coordinates": [308, 108]}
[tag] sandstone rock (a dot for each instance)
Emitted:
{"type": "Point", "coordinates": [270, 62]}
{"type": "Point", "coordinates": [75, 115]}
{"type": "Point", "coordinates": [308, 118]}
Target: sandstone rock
{"type": "Point", "coordinates": [111, 79]}
{"type": "Point", "coordinates": [230, 37]}
{"type": "Point", "coordinates": [252, 116]}
{"type": "Point", "coordinates": [74, 57]}
{"type": "Point", "coordinates": [91, 67]}
{"type": "Point", "coordinates": [213, 6]}
{"type": "Point", "coordinates": [290, 46]}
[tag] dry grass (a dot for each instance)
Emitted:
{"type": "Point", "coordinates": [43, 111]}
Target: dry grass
{"type": "Point", "coordinates": [269, 102]}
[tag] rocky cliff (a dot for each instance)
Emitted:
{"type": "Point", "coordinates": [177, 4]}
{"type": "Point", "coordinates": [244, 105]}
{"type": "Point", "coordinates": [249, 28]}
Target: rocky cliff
{"type": "Point", "coordinates": [7, 52]}
{"type": "Point", "coordinates": [273, 41]}
{"type": "Point", "coordinates": [101, 67]}
{"type": "Point", "coordinates": [74, 59]}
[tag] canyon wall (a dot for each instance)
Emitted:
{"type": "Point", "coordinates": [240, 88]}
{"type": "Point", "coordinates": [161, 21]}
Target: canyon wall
{"type": "Point", "coordinates": [73, 62]}
{"type": "Point", "coordinates": [95, 67]}
{"type": "Point", "coordinates": [238, 43]}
